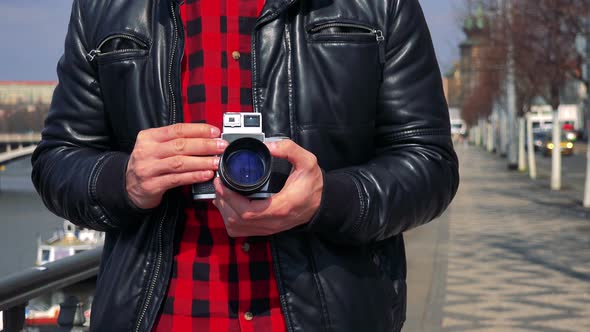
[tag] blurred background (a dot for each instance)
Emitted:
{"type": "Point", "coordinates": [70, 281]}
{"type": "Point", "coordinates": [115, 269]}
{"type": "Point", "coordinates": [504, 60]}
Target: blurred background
{"type": "Point", "coordinates": [512, 253]}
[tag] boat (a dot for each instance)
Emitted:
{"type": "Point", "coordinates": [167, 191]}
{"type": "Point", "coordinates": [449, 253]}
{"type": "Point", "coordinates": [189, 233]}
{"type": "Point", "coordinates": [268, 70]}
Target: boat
{"type": "Point", "coordinates": [68, 241]}
{"type": "Point", "coordinates": [65, 242]}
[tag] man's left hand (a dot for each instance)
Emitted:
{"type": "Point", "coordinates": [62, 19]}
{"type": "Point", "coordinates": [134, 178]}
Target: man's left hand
{"type": "Point", "coordinates": [294, 205]}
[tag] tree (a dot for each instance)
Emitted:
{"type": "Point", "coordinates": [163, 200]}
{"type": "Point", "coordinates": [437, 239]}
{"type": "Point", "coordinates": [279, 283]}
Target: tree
{"type": "Point", "coordinates": [548, 30]}
{"type": "Point", "coordinates": [538, 40]}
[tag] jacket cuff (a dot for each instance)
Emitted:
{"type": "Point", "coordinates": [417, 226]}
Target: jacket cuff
{"type": "Point", "coordinates": [111, 192]}
{"type": "Point", "coordinates": [340, 206]}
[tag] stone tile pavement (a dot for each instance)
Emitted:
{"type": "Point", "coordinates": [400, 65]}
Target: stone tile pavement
{"type": "Point", "coordinates": [508, 255]}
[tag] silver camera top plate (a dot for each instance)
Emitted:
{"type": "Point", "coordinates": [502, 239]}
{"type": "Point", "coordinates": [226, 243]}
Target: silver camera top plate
{"type": "Point", "coordinates": [242, 123]}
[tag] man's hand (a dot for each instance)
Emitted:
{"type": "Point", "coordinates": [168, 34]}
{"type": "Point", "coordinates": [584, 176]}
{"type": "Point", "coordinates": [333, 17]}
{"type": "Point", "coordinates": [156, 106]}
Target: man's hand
{"type": "Point", "coordinates": [171, 156]}
{"type": "Point", "coordinates": [294, 205]}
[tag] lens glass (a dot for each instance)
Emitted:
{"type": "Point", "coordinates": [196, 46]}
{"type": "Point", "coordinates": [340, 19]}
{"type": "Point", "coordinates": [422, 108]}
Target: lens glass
{"type": "Point", "coordinates": [245, 167]}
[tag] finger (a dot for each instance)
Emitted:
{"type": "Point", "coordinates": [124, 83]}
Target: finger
{"type": "Point", "coordinates": [230, 217]}
{"type": "Point", "coordinates": [237, 201]}
{"type": "Point", "coordinates": [191, 147]}
{"type": "Point", "coordinates": [177, 164]}
{"type": "Point", "coordinates": [295, 154]}
{"type": "Point", "coordinates": [243, 206]}
{"type": "Point", "coordinates": [165, 182]}
{"type": "Point", "coordinates": [183, 130]}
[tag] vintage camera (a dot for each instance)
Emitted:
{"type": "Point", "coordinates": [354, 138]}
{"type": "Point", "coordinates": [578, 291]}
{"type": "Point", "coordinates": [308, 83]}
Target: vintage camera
{"type": "Point", "coordinates": [246, 165]}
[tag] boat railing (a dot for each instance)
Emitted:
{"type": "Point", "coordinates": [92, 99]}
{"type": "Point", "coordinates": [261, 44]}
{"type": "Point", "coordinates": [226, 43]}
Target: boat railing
{"type": "Point", "coordinates": [19, 288]}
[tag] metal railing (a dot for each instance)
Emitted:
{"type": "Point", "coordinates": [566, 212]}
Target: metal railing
{"type": "Point", "coordinates": [21, 152]}
{"type": "Point", "coordinates": [18, 288]}
{"type": "Point", "coordinates": [20, 138]}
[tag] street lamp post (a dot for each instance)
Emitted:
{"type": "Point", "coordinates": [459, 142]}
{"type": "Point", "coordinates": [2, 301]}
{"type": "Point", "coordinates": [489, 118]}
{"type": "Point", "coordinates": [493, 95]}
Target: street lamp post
{"type": "Point", "coordinates": [511, 98]}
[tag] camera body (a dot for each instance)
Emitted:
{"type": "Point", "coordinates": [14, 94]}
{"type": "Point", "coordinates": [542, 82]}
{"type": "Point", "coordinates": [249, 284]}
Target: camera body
{"type": "Point", "coordinates": [246, 165]}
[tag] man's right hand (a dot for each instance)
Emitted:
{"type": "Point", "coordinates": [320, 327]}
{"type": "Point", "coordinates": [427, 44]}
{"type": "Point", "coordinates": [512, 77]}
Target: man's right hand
{"type": "Point", "coordinates": [171, 156]}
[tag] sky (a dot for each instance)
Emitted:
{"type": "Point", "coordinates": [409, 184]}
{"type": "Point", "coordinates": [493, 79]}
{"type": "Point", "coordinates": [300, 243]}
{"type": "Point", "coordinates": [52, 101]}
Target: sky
{"type": "Point", "coordinates": [32, 33]}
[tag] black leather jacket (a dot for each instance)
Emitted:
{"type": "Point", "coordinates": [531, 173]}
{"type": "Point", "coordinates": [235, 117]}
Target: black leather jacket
{"type": "Point", "coordinates": [355, 82]}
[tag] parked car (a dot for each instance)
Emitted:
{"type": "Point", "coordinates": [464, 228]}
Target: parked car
{"type": "Point", "coordinates": [538, 140]}
{"type": "Point", "coordinates": [458, 127]}
{"type": "Point", "coordinates": [566, 146]}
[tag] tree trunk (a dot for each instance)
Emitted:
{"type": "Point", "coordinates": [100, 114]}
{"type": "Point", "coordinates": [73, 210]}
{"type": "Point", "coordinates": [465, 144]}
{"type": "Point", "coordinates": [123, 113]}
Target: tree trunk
{"type": "Point", "coordinates": [531, 149]}
{"type": "Point", "coordinates": [503, 135]}
{"type": "Point", "coordinates": [484, 133]}
{"type": "Point", "coordinates": [490, 131]}
{"type": "Point", "coordinates": [587, 185]}
{"type": "Point", "coordinates": [556, 153]}
{"type": "Point", "coordinates": [521, 152]}
{"type": "Point", "coordinates": [511, 110]}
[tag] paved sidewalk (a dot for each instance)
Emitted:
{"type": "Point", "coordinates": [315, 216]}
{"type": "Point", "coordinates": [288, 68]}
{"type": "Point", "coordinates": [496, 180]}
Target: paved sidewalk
{"type": "Point", "coordinates": [509, 255]}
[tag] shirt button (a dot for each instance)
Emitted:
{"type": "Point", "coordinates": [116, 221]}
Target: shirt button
{"type": "Point", "coordinates": [246, 247]}
{"type": "Point", "coordinates": [248, 315]}
{"type": "Point", "coordinates": [235, 55]}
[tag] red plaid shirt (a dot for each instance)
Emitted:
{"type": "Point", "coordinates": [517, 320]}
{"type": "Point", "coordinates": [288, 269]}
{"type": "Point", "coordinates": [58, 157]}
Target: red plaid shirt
{"type": "Point", "coordinates": [218, 283]}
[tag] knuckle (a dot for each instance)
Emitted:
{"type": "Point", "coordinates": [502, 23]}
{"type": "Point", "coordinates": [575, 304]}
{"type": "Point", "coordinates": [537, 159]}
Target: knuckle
{"type": "Point", "coordinates": [177, 162]}
{"type": "Point", "coordinates": [177, 130]}
{"type": "Point", "coordinates": [247, 216]}
{"type": "Point", "coordinates": [313, 159]}
{"type": "Point", "coordinates": [147, 187]}
{"type": "Point", "coordinates": [179, 144]}
{"type": "Point", "coordinates": [141, 171]}
{"type": "Point", "coordinates": [174, 181]}
{"type": "Point", "coordinates": [282, 213]}
{"type": "Point", "coordinates": [139, 152]}
{"type": "Point", "coordinates": [197, 177]}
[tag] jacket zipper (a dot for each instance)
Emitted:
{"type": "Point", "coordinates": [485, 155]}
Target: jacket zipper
{"type": "Point", "coordinates": [96, 52]}
{"type": "Point", "coordinates": [157, 267]}
{"type": "Point", "coordinates": [170, 86]}
{"type": "Point", "coordinates": [376, 32]}
{"type": "Point", "coordinates": [152, 283]}
{"type": "Point", "coordinates": [273, 249]}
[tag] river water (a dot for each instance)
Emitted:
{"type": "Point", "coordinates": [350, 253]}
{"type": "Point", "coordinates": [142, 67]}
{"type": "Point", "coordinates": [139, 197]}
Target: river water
{"type": "Point", "coordinates": [23, 218]}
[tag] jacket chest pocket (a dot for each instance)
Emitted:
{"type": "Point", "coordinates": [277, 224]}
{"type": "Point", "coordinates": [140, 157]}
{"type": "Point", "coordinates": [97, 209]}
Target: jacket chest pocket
{"type": "Point", "coordinates": [122, 63]}
{"type": "Point", "coordinates": [343, 72]}
{"type": "Point", "coordinates": [345, 32]}
{"type": "Point", "coordinates": [118, 47]}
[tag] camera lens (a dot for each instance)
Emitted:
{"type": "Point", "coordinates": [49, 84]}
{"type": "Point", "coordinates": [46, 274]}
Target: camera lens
{"type": "Point", "coordinates": [245, 165]}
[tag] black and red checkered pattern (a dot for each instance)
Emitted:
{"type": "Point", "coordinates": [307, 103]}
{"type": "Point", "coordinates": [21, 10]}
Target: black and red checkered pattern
{"type": "Point", "coordinates": [218, 283]}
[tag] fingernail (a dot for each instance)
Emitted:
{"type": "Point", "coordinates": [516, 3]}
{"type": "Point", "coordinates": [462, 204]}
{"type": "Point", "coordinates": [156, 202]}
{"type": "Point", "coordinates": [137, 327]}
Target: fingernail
{"type": "Point", "coordinates": [272, 145]}
{"type": "Point", "coordinates": [215, 131]}
{"type": "Point", "coordinates": [221, 144]}
{"type": "Point", "coordinates": [215, 162]}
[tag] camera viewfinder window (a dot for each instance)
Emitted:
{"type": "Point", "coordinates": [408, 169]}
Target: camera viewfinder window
{"type": "Point", "coordinates": [251, 121]}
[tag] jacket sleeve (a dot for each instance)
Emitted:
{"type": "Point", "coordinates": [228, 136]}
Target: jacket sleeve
{"type": "Point", "coordinates": [75, 172]}
{"type": "Point", "coordinates": [414, 173]}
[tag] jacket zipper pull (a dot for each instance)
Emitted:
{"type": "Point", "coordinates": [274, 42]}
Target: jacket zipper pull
{"type": "Point", "coordinates": [380, 39]}
{"type": "Point", "coordinates": [92, 54]}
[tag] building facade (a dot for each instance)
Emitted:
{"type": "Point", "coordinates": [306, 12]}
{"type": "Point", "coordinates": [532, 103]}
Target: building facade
{"type": "Point", "coordinates": [26, 92]}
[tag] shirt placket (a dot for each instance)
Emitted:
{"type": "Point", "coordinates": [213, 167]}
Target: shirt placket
{"type": "Point", "coordinates": [245, 315]}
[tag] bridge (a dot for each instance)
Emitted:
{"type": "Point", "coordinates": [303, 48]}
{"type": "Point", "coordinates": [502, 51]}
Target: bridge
{"type": "Point", "coordinates": [15, 146]}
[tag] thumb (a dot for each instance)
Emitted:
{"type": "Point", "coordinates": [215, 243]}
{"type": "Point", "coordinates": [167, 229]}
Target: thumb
{"type": "Point", "coordinates": [295, 154]}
